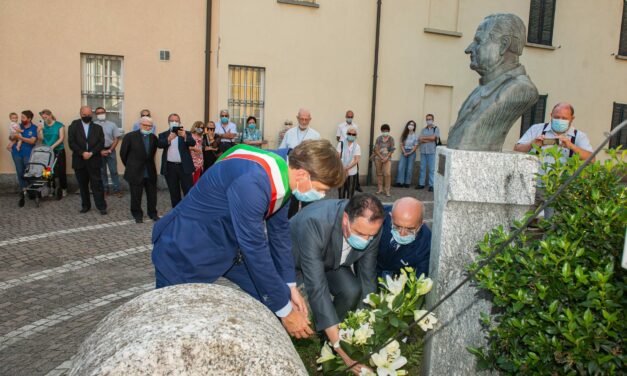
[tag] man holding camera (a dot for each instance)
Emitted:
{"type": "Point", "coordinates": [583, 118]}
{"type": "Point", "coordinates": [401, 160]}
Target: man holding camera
{"type": "Point", "coordinates": [176, 162]}
{"type": "Point", "coordinates": [558, 132]}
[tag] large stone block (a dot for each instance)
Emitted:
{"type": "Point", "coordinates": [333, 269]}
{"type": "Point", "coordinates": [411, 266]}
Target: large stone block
{"type": "Point", "coordinates": [191, 329]}
{"type": "Point", "coordinates": [474, 193]}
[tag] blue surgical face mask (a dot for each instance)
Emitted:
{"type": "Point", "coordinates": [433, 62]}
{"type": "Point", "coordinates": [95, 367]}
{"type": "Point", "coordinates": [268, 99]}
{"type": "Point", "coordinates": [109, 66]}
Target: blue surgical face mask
{"type": "Point", "coordinates": [385, 134]}
{"type": "Point", "coordinates": [309, 196]}
{"type": "Point", "coordinates": [145, 132]}
{"type": "Point", "coordinates": [174, 124]}
{"type": "Point", "coordinates": [358, 242]}
{"type": "Point", "coordinates": [251, 125]}
{"type": "Point", "coordinates": [559, 125]}
{"type": "Point", "coordinates": [402, 240]}
{"type": "Point", "coordinates": [349, 120]}
{"type": "Point", "coordinates": [351, 138]}
{"type": "Point", "coordinates": [224, 119]}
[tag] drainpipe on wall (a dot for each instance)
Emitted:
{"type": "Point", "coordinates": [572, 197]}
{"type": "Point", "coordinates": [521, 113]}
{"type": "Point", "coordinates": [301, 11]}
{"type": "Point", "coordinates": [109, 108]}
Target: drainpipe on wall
{"type": "Point", "coordinates": [374, 92]}
{"type": "Point", "coordinates": [208, 60]}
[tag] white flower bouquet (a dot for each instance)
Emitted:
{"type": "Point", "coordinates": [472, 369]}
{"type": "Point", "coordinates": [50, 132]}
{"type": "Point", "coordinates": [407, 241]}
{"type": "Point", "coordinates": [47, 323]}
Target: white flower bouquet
{"type": "Point", "coordinates": [388, 313]}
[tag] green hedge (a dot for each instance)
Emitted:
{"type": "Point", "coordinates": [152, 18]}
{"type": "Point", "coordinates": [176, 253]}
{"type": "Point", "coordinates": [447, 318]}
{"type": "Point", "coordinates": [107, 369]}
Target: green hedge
{"type": "Point", "coordinates": [559, 298]}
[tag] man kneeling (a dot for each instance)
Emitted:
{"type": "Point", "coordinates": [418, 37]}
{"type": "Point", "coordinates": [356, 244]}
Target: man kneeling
{"type": "Point", "coordinates": [335, 246]}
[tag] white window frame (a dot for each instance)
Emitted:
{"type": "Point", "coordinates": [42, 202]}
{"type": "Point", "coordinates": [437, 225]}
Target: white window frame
{"type": "Point", "coordinates": [87, 91]}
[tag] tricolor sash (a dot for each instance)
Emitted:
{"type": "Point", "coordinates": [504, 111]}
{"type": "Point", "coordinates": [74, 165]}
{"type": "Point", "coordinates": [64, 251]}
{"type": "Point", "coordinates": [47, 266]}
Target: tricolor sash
{"type": "Point", "coordinates": [274, 166]}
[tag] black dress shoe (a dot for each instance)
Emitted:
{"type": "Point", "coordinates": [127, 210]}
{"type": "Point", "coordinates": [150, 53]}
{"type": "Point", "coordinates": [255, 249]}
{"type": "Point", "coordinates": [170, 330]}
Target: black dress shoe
{"type": "Point", "coordinates": [155, 218]}
{"type": "Point", "coordinates": [398, 185]}
{"type": "Point", "coordinates": [103, 212]}
{"type": "Point", "coordinates": [430, 189]}
{"type": "Point", "coordinates": [406, 186]}
{"type": "Point", "coordinates": [84, 210]}
{"type": "Point", "coordinates": [21, 202]}
{"type": "Point", "coordinates": [420, 187]}
{"type": "Point", "coordinates": [139, 220]}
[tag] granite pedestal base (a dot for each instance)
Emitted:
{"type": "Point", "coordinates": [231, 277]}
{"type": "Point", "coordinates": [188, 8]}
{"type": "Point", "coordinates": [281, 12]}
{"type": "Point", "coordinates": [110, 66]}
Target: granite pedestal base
{"type": "Point", "coordinates": [474, 193]}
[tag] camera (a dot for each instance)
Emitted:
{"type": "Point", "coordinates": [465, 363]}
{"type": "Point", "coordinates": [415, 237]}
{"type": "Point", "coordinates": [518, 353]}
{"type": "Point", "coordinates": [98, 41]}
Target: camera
{"type": "Point", "coordinates": [550, 141]}
{"type": "Point", "coordinates": [176, 129]}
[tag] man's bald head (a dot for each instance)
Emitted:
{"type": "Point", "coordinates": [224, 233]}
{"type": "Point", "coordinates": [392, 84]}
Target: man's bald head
{"type": "Point", "coordinates": [407, 212]}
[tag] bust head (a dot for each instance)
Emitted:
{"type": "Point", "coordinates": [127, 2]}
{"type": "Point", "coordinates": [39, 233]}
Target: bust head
{"type": "Point", "coordinates": [499, 40]}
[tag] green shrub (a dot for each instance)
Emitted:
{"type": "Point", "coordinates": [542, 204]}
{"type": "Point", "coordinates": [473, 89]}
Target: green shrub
{"type": "Point", "coordinates": [559, 298]}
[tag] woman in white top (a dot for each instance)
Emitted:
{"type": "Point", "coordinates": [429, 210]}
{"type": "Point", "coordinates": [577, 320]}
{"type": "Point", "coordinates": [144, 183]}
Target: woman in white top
{"type": "Point", "coordinates": [409, 143]}
{"type": "Point", "coordinates": [350, 153]}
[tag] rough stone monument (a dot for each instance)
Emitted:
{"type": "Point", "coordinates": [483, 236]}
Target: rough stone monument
{"type": "Point", "coordinates": [505, 91]}
{"type": "Point", "coordinates": [191, 329]}
{"type": "Point", "coordinates": [477, 188]}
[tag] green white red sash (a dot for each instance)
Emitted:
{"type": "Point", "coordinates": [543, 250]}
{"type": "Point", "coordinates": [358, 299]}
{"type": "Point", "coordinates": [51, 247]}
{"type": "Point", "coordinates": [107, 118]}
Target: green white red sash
{"type": "Point", "coordinates": [274, 166]}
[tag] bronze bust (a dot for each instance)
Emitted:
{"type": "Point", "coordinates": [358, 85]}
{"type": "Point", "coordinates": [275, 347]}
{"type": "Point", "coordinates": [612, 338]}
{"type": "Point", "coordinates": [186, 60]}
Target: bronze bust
{"type": "Point", "coordinates": [505, 91]}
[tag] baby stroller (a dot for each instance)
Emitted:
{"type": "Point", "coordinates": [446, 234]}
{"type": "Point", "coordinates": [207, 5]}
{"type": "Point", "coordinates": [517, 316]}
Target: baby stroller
{"type": "Point", "coordinates": [39, 175]}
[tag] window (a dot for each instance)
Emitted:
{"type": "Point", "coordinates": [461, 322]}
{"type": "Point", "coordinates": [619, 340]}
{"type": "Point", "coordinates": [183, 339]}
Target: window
{"type": "Point", "coordinates": [619, 114]}
{"type": "Point", "coordinates": [622, 45]}
{"type": "Point", "coordinates": [246, 94]}
{"type": "Point", "coordinates": [103, 85]}
{"type": "Point", "coordinates": [534, 115]}
{"type": "Point", "coordinates": [541, 15]}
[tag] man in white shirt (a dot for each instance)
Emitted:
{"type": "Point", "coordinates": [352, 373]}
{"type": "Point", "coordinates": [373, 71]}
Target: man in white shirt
{"type": "Point", "coordinates": [296, 135]}
{"type": "Point", "coordinates": [293, 137]}
{"type": "Point", "coordinates": [342, 127]}
{"type": "Point", "coordinates": [227, 130]}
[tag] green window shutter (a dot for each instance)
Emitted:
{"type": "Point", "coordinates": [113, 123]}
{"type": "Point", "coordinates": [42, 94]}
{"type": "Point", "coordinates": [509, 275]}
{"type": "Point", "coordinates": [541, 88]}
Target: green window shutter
{"type": "Point", "coordinates": [534, 115]}
{"type": "Point", "coordinates": [622, 45]}
{"type": "Point", "coordinates": [619, 114]}
{"type": "Point", "coordinates": [541, 20]}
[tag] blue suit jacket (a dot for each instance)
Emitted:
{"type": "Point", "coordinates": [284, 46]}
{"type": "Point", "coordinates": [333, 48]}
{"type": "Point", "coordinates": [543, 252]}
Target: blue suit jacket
{"type": "Point", "coordinates": [393, 256]}
{"type": "Point", "coordinates": [184, 145]}
{"type": "Point", "coordinates": [224, 211]}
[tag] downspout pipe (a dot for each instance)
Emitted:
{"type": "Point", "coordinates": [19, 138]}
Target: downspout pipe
{"type": "Point", "coordinates": [208, 60]}
{"type": "Point", "coordinates": [373, 107]}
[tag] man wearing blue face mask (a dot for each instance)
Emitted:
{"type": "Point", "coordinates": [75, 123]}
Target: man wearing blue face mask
{"type": "Point", "coordinates": [335, 252]}
{"type": "Point", "coordinates": [227, 130]}
{"type": "Point", "coordinates": [405, 240]}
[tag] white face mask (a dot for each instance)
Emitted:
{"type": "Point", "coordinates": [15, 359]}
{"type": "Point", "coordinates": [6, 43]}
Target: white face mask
{"type": "Point", "coordinates": [410, 127]}
{"type": "Point", "coordinates": [174, 124]}
{"type": "Point", "coordinates": [101, 117]}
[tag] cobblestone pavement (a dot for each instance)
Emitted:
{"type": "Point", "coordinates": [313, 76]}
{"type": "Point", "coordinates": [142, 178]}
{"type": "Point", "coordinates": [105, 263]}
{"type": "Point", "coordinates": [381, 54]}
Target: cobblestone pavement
{"type": "Point", "coordinates": [61, 272]}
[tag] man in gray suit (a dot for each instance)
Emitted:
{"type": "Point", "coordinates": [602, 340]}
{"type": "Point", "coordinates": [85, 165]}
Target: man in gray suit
{"type": "Point", "coordinates": [335, 245]}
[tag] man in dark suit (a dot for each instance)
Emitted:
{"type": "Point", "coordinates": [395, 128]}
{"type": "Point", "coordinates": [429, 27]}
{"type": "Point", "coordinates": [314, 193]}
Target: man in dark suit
{"type": "Point", "coordinates": [138, 155]}
{"type": "Point", "coordinates": [176, 162]}
{"type": "Point", "coordinates": [335, 245]}
{"type": "Point", "coordinates": [86, 139]}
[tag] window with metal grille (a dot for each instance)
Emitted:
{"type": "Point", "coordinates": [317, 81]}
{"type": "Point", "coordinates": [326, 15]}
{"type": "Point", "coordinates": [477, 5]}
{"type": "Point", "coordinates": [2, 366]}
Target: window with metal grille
{"type": "Point", "coordinates": [541, 17]}
{"type": "Point", "coordinates": [622, 45]}
{"type": "Point", "coordinates": [534, 115]}
{"type": "Point", "coordinates": [619, 114]}
{"type": "Point", "coordinates": [103, 84]}
{"type": "Point", "coordinates": [246, 94]}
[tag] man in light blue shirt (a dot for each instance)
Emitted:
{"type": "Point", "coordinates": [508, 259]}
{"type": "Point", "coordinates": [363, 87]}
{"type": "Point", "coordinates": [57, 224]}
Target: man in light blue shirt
{"type": "Point", "coordinates": [112, 134]}
{"type": "Point", "coordinates": [427, 140]}
{"type": "Point", "coordinates": [227, 130]}
{"type": "Point", "coordinates": [145, 113]}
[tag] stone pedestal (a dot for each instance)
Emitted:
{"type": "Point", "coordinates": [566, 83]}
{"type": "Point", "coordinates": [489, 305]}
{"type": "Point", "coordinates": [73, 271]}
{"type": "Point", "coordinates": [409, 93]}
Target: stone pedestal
{"type": "Point", "coordinates": [474, 193]}
{"type": "Point", "coordinates": [192, 329]}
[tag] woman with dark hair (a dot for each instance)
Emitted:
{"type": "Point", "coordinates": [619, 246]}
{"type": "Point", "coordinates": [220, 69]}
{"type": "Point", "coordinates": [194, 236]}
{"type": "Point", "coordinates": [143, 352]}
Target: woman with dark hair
{"type": "Point", "coordinates": [409, 143]}
{"type": "Point", "coordinates": [211, 146]}
{"type": "Point", "coordinates": [28, 136]}
{"type": "Point", "coordinates": [53, 134]}
{"type": "Point", "coordinates": [197, 131]}
{"type": "Point", "coordinates": [251, 135]}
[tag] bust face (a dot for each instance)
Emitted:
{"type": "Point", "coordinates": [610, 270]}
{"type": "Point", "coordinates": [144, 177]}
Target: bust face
{"type": "Point", "coordinates": [484, 52]}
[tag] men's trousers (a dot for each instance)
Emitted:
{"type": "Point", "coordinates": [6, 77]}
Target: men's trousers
{"type": "Point", "coordinates": [110, 162]}
{"type": "Point", "coordinates": [90, 177]}
{"type": "Point", "coordinates": [151, 198]}
{"type": "Point", "coordinates": [345, 288]}
{"type": "Point", "coordinates": [177, 180]}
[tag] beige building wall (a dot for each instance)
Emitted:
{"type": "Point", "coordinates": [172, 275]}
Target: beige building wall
{"type": "Point", "coordinates": [41, 43]}
{"type": "Point", "coordinates": [319, 58]}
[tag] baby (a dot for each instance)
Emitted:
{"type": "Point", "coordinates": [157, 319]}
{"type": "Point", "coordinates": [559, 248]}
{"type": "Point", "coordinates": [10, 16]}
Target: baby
{"type": "Point", "coordinates": [14, 128]}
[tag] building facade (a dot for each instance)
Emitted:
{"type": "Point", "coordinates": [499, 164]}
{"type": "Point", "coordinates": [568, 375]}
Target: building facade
{"type": "Point", "coordinates": [269, 58]}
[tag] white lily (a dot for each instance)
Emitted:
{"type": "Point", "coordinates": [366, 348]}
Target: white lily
{"type": "Point", "coordinates": [426, 323]}
{"type": "Point", "coordinates": [388, 360]}
{"type": "Point", "coordinates": [366, 372]}
{"type": "Point", "coordinates": [425, 285]}
{"type": "Point", "coordinates": [373, 317]}
{"type": "Point", "coordinates": [396, 285]}
{"type": "Point", "coordinates": [347, 334]}
{"type": "Point", "coordinates": [326, 354]}
{"type": "Point", "coordinates": [362, 334]}
{"type": "Point", "coordinates": [368, 301]}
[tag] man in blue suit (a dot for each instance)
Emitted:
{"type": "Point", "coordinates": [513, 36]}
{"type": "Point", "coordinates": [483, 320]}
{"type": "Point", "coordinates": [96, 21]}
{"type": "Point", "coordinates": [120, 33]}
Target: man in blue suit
{"type": "Point", "coordinates": [176, 162]}
{"type": "Point", "coordinates": [233, 224]}
{"type": "Point", "coordinates": [405, 240]}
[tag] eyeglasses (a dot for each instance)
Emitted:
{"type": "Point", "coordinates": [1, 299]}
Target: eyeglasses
{"type": "Point", "coordinates": [351, 134]}
{"type": "Point", "coordinates": [409, 231]}
{"type": "Point", "coordinates": [211, 129]}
